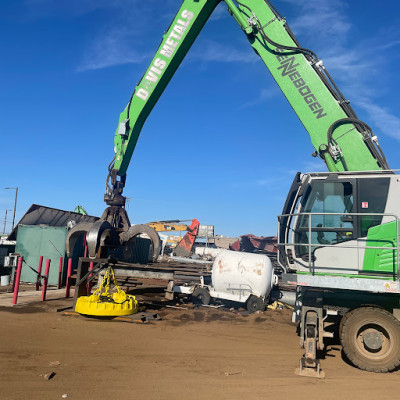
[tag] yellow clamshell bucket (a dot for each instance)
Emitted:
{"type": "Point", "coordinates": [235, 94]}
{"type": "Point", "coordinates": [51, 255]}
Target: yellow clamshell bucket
{"type": "Point", "coordinates": [102, 303]}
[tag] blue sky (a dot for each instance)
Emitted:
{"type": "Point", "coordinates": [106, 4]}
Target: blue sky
{"type": "Point", "coordinates": [221, 145]}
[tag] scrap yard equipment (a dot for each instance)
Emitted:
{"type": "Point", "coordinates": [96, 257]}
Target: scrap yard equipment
{"type": "Point", "coordinates": [185, 245]}
{"type": "Point", "coordinates": [338, 232]}
{"type": "Point", "coordinates": [236, 276]}
{"type": "Point", "coordinates": [103, 303]}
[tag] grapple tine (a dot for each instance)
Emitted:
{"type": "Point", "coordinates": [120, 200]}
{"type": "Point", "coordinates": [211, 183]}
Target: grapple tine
{"type": "Point", "coordinates": [95, 234]}
{"type": "Point", "coordinates": [112, 230]}
{"type": "Point", "coordinates": [74, 234]}
{"type": "Point", "coordinates": [136, 230]}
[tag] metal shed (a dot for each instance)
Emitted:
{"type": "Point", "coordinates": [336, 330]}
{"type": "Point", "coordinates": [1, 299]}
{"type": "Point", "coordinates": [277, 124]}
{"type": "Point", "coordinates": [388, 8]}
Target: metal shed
{"type": "Point", "coordinates": [35, 241]}
{"type": "Point", "coordinates": [42, 215]}
{"type": "Point", "coordinates": [42, 232]}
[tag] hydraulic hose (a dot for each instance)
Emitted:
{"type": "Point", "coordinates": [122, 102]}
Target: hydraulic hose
{"type": "Point", "coordinates": [367, 134]}
{"type": "Point", "coordinates": [324, 75]}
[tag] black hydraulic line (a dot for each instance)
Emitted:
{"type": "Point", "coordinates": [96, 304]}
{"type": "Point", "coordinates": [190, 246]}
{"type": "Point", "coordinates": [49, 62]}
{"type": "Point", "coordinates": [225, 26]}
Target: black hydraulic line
{"type": "Point", "coordinates": [34, 270]}
{"type": "Point", "coordinates": [311, 56]}
{"type": "Point", "coordinates": [332, 82]}
{"type": "Point", "coordinates": [326, 78]}
{"type": "Point", "coordinates": [273, 43]}
{"type": "Point", "coordinates": [275, 11]}
{"type": "Point", "coordinates": [129, 104]}
{"type": "Point", "coordinates": [110, 166]}
{"type": "Point", "coordinates": [302, 50]}
{"type": "Point", "coordinates": [344, 121]}
{"type": "Point", "coordinates": [367, 135]}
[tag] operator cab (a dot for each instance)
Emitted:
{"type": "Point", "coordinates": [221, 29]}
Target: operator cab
{"type": "Point", "coordinates": [332, 223]}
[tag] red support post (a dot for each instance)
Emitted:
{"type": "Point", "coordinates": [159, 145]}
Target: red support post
{"type": "Point", "coordinates": [39, 275]}
{"type": "Point", "coordinates": [69, 273]}
{"type": "Point", "coordinates": [60, 268]}
{"type": "Point", "coordinates": [89, 285]}
{"type": "Point", "coordinates": [16, 280]}
{"type": "Point", "coordinates": [85, 246]}
{"type": "Point", "coordinates": [45, 279]}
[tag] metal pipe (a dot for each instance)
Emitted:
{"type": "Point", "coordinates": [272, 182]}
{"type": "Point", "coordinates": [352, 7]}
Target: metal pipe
{"type": "Point", "coordinates": [85, 246]}
{"type": "Point", "coordinates": [397, 248]}
{"type": "Point", "coordinates": [89, 285]}
{"type": "Point", "coordinates": [15, 203]}
{"type": "Point", "coordinates": [39, 275]}
{"type": "Point", "coordinates": [46, 279]}
{"type": "Point", "coordinates": [309, 244]}
{"type": "Point", "coordinates": [5, 221]}
{"type": "Point", "coordinates": [237, 15]}
{"type": "Point", "coordinates": [68, 283]}
{"type": "Point", "coordinates": [284, 296]}
{"type": "Point", "coordinates": [60, 268]}
{"type": "Point", "coordinates": [16, 280]}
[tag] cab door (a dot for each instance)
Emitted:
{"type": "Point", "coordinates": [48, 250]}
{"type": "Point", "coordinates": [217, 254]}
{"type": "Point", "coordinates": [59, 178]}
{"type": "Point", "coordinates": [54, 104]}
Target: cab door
{"type": "Point", "coordinates": [326, 214]}
{"type": "Point", "coordinates": [372, 199]}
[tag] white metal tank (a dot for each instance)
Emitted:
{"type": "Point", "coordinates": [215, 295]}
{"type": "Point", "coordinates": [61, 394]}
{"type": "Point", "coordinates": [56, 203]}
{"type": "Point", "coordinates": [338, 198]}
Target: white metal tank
{"type": "Point", "coordinates": [202, 250]}
{"type": "Point", "coordinates": [235, 271]}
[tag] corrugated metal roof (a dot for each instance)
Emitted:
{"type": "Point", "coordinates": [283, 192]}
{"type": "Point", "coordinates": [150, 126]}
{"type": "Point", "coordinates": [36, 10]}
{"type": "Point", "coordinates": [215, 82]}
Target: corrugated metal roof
{"type": "Point", "coordinates": [42, 215]}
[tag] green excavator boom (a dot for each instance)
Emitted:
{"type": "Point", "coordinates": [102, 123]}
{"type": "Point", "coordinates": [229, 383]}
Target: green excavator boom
{"type": "Point", "coordinates": [338, 136]}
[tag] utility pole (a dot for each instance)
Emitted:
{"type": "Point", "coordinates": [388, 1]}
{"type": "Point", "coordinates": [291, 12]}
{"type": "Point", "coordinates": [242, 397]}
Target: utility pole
{"type": "Point", "coordinates": [15, 203]}
{"type": "Point", "coordinates": [5, 221]}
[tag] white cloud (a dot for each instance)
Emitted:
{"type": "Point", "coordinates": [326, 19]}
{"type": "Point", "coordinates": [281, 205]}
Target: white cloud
{"type": "Point", "coordinates": [320, 18]}
{"type": "Point", "coordinates": [390, 44]}
{"type": "Point", "coordinates": [115, 48]}
{"type": "Point", "coordinates": [387, 122]}
{"type": "Point", "coordinates": [116, 45]}
{"type": "Point", "coordinates": [121, 42]}
{"type": "Point", "coordinates": [112, 48]}
{"type": "Point", "coordinates": [267, 181]}
{"type": "Point", "coordinates": [359, 69]}
{"type": "Point", "coordinates": [265, 94]}
{"type": "Point", "coordinates": [72, 8]}
{"type": "Point", "coordinates": [219, 13]}
{"type": "Point", "coordinates": [213, 51]}
{"type": "Point", "coordinates": [323, 22]}
{"type": "Point", "coordinates": [313, 165]}
{"type": "Point", "coordinates": [354, 70]}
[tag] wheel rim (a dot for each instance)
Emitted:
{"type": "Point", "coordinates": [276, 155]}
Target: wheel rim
{"type": "Point", "coordinates": [254, 305]}
{"type": "Point", "coordinates": [374, 341]}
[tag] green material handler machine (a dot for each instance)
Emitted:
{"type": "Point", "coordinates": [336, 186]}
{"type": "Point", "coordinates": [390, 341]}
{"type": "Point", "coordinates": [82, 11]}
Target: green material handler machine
{"type": "Point", "coordinates": [339, 230]}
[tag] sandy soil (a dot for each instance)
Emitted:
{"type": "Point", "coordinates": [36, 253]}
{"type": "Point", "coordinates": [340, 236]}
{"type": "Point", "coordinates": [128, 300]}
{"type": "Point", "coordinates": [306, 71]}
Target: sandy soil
{"type": "Point", "coordinates": [191, 354]}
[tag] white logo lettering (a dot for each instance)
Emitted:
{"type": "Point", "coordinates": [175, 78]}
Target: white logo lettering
{"type": "Point", "coordinates": [167, 50]}
{"type": "Point", "coordinates": [142, 94]}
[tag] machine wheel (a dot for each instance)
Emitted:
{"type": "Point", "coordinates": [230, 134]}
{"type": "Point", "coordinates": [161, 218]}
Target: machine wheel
{"type": "Point", "coordinates": [201, 296]}
{"type": "Point", "coordinates": [255, 303]}
{"type": "Point", "coordinates": [370, 337]}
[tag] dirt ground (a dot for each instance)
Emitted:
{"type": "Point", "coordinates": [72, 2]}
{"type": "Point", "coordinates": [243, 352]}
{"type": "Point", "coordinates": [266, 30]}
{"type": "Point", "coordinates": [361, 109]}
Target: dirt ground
{"type": "Point", "coordinates": [196, 353]}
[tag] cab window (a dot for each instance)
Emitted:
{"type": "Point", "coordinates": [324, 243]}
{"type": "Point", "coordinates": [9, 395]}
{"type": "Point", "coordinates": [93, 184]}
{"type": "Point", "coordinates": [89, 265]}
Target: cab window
{"type": "Point", "coordinates": [326, 197]}
{"type": "Point", "coordinates": [372, 196]}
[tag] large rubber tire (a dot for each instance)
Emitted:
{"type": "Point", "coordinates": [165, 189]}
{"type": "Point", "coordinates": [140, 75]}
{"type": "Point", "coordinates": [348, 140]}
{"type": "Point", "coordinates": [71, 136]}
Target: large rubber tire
{"type": "Point", "coordinates": [360, 324]}
{"type": "Point", "coordinates": [201, 296]}
{"type": "Point", "coordinates": [254, 304]}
